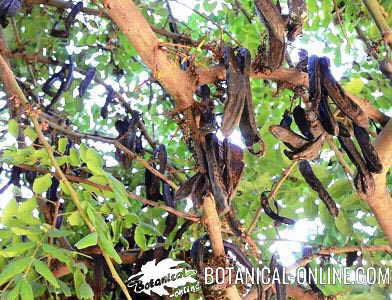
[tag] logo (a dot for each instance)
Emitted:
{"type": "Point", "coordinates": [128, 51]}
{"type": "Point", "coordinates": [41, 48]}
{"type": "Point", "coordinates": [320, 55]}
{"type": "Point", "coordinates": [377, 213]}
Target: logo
{"type": "Point", "coordinates": [155, 277]}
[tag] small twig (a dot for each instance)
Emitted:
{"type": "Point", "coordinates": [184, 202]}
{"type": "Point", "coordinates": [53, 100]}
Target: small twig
{"type": "Point", "coordinates": [272, 194]}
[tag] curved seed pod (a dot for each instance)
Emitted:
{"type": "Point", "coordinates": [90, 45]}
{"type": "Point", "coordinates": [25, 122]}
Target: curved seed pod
{"type": "Point", "coordinates": [345, 104]}
{"type": "Point", "coordinates": [315, 184]}
{"type": "Point", "coordinates": [187, 187]}
{"type": "Point", "coordinates": [197, 252]}
{"type": "Point", "coordinates": [279, 286]}
{"type": "Point", "coordinates": [171, 220]}
{"type": "Point", "coordinates": [273, 215]}
{"type": "Point", "coordinates": [30, 177]}
{"type": "Point", "coordinates": [363, 181]}
{"type": "Point", "coordinates": [72, 15]}
{"type": "Point", "coordinates": [46, 88]}
{"type": "Point", "coordinates": [373, 162]}
{"type": "Point", "coordinates": [162, 156]}
{"type": "Point", "coordinates": [326, 117]}
{"type": "Point", "coordinates": [240, 257]}
{"type": "Point", "coordinates": [247, 124]}
{"type": "Point", "coordinates": [286, 120]}
{"type": "Point", "coordinates": [57, 32]}
{"type": "Point", "coordinates": [233, 167]}
{"type": "Point", "coordinates": [302, 122]}
{"type": "Point", "coordinates": [276, 26]}
{"type": "Point", "coordinates": [139, 145]}
{"type": "Point", "coordinates": [90, 74]}
{"type": "Point", "coordinates": [234, 104]}
{"type": "Point", "coordinates": [104, 111]}
{"type": "Point", "coordinates": [351, 257]}
{"type": "Point", "coordinates": [314, 81]}
{"type": "Point", "coordinates": [214, 172]}
{"type": "Point", "coordinates": [293, 140]}
{"type": "Point", "coordinates": [308, 152]}
{"type": "Point", "coordinates": [70, 70]}
{"type": "Point", "coordinates": [152, 184]}
{"type": "Point", "coordinates": [201, 188]}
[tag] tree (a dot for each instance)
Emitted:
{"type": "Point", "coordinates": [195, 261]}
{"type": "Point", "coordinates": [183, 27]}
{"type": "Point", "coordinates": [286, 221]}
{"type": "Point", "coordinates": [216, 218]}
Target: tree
{"type": "Point", "coordinates": [123, 123]}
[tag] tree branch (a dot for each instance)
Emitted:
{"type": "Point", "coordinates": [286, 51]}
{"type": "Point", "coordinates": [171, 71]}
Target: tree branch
{"type": "Point", "coordinates": [138, 31]}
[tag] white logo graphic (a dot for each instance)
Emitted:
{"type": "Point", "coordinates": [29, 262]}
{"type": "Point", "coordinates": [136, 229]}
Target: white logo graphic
{"type": "Point", "coordinates": [155, 277]}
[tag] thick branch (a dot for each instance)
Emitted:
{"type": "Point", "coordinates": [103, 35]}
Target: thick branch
{"type": "Point", "coordinates": [293, 78]}
{"type": "Point", "coordinates": [179, 84]}
{"type": "Point", "coordinates": [381, 202]}
{"type": "Point", "coordinates": [376, 12]}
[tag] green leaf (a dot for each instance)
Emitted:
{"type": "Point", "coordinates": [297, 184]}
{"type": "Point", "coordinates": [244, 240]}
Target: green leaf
{"type": "Point", "coordinates": [41, 184]}
{"type": "Point", "coordinates": [108, 249]}
{"type": "Point", "coordinates": [93, 158]}
{"type": "Point", "coordinates": [26, 291]}
{"type": "Point", "coordinates": [17, 249]}
{"type": "Point", "coordinates": [65, 288]}
{"type": "Point", "coordinates": [85, 291]}
{"type": "Point", "coordinates": [9, 211]}
{"type": "Point", "coordinates": [87, 241]}
{"type": "Point", "coordinates": [140, 238]}
{"type": "Point", "coordinates": [354, 86]}
{"type": "Point", "coordinates": [14, 268]}
{"type": "Point", "coordinates": [342, 224]}
{"type": "Point", "coordinates": [64, 188]}
{"type": "Point", "coordinates": [62, 144]}
{"type": "Point", "coordinates": [45, 272]}
{"type": "Point", "coordinates": [58, 253]}
{"type": "Point", "coordinates": [30, 133]}
{"type": "Point", "coordinates": [75, 219]}
{"type": "Point", "coordinates": [13, 128]}
{"type": "Point", "coordinates": [74, 157]}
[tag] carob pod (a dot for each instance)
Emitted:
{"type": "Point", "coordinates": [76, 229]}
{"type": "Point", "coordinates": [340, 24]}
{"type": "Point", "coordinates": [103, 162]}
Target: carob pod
{"type": "Point", "coordinates": [286, 120]}
{"type": "Point", "coordinates": [69, 20]}
{"type": "Point", "coordinates": [162, 157]}
{"type": "Point", "coordinates": [90, 74]}
{"type": "Point", "coordinates": [275, 24]}
{"type": "Point", "coordinates": [187, 187]}
{"type": "Point", "coordinates": [233, 166]}
{"type": "Point", "coordinates": [234, 104]}
{"type": "Point", "coordinates": [247, 124]}
{"type": "Point", "coordinates": [273, 215]}
{"type": "Point", "coordinates": [287, 136]}
{"type": "Point", "coordinates": [309, 151]}
{"type": "Point", "coordinates": [171, 220]}
{"type": "Point", "coordinates": [206, 108]}
{"type": "Point", "coordinates": [326, 117]}
{"type": "Point", "coordinates": [337, 94]}
{"type": "Point", "coordinates": [66, 78]}
{"type": "Point", "coordinates": [373, 162]}
{"type": "Point", "coordinates": [8, 8]}
{"type": "Point", "coordinates": [351, 257]}
{"type": "Point", "coordinates": [109, 99]}
{"type": "Point", "coordinates": [311, 179]}
{"type": "Point", "coordinates": [238, 109]}
{"type": "Point", "coordinates": [152, 184]}
{"type": "Point", "coordinates": [240, 257]}
{"type": "Point", "coordinates": [363, 181]}
{"type": "Point", "coordinates": [302, 122]}
{"type": "Point", "coordinates": [280, 288]}
{"type": "Point", "coordinates": [314, 82]}
{"type": "Point", "coordinates": [214, 172]}
{"type": "Point", "coordinates": [46, 88]}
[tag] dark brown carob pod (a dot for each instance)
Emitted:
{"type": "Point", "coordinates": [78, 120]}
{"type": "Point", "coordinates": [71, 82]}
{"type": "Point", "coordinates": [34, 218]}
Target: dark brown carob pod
{"type": "Point", "coordinates": [273, 215]}
{"type": "Point", "coordinates": [215, 173]}
{"type": "Point", "coordinates": [233, 167]}
{"type": "Point", "coordinates": [326, 116]}
{"type": "Point", "coordinates": [363, 181]}
{"type": "Point", "coordinates": [236, 93]}
{"type": "Point", "coordinates": [276, 26]}
{"type": "Point", "coordinates": [302, 122]}
{"type": "Point", "coordinates": [306, 171]}
{"type": "Point", "coordinates": [280, 288]}
{"type": "Point", "coordinates": [337, 94]}
{"type": "Point", "coordinates": [291, 139]}
{"type": "Point", "coordinates": [239, 106]}
{"type": "Point", "coordinates": [309, 151]}
{"type": "Point", "coordinates": [373, 162]}
{"type": "Point", "coordinates": [314, 82]}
